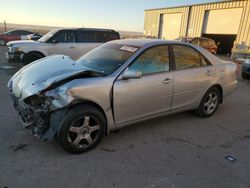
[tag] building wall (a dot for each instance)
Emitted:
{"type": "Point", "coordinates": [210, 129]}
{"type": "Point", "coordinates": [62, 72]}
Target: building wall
{"type": "Point", "coordinates": [193, 25]}
{"type": "Point", "coordinates": [152, 20]}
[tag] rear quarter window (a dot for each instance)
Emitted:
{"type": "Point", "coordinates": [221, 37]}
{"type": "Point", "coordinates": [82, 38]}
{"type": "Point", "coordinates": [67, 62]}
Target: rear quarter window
{"type": "Point", "coordinates": [96, 36]}
{"type": "Point", "coordinates": [86, 37]}
{"type": "Point", "coordinates": [107, 36]}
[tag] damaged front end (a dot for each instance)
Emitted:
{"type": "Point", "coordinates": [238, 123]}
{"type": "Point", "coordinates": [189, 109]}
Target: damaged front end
{"type": "Point", "coordinates": [41, 98]}
{"type": "Point", "coordinates": [35, 114]}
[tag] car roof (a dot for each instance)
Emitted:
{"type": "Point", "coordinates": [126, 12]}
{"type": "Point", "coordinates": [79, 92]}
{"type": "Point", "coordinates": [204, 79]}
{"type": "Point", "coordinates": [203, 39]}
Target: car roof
{"type": "Point", "coordinates": [203, 38]}
{"type": "Point", "coordinates": [17, 30]}
{"type": "Point", "coordinates": [86, 29]}
{"type": "Point", "coordinates": [144, 42]}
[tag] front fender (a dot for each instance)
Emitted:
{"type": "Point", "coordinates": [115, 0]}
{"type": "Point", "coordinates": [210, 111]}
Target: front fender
{"type": "Point", "coordinates": [89, 90]}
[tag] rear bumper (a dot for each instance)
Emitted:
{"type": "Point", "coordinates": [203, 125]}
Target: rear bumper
{"type": "Point", "coordinates": [229, 88]}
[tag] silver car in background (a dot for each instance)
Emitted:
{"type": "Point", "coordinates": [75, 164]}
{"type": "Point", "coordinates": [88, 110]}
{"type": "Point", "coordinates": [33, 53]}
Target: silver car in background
{"type": "Point", "coordinates": [118, 83]}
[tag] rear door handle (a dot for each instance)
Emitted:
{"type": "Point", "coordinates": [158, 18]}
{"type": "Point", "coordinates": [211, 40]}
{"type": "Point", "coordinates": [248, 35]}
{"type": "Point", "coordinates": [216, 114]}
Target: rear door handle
{"type": "Point", "coordinates": [72, 47]}
{"type": "Point", "coordinates": [167, 81]}
{"type": "Point", "coordinates": [208, 73]}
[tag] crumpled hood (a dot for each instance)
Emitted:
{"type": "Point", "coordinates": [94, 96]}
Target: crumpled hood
{"type": "Point", "coordinates": [41, 74]}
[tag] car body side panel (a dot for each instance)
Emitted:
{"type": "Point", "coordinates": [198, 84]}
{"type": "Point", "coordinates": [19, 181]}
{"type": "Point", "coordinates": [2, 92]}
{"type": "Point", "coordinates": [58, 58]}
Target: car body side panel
{"type": "Point", "coordinates": [94, 90]}
{"type": "Point", "coordinates": [189, 86]}
{"type": "Point", "coordinates": [8, 38]}
{"type": "Point", "coordinates": [83, 48]}
{"type": "Point", "coordinates": [227, 77]}
{"type": "Point", "coordinates": [69, 49]}
{"type": "Point", "coordinates": [27, 46]}
{"type": "Point", "coordinates": [129, 100]}
{"type": "Point", "coordinates": [137, 98]}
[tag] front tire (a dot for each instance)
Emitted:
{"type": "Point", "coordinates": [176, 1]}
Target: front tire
{"type": "Point", "coordinates": [209, 103]}
{"type": "Point", "coordinates": [82, 129]}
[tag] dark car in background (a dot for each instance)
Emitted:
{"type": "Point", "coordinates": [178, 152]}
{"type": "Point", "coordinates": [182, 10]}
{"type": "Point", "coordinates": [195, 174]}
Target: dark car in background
{"type": "Point", "coordinates": [17, 34]}
{"type": "Point", "coordinates": [246, 69]}
{"type": "Point", "coordinates": [206, 43]}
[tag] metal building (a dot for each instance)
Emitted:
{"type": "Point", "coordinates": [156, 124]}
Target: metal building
{"type": "Point", "coordinates": [227, 22]}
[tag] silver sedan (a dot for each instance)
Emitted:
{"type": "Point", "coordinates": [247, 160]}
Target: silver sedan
{"type": "Point", "coordinates": [118, 83]}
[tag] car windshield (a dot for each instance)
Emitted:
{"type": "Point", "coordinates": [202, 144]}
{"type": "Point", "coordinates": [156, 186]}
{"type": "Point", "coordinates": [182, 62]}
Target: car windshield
{"type": "Point", "coordinates": [6, 33]}
{"type": "Point", "coordinates": [46, 37]}
{"type": "Point", "coordinates": [108, 57]}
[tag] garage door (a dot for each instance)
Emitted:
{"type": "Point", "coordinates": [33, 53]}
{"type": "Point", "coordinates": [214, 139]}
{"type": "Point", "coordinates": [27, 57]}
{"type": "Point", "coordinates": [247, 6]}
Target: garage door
{"type": "Point", "coordinates": [223, 21]}
{"type": "Point", "coordinates": [170, 26]}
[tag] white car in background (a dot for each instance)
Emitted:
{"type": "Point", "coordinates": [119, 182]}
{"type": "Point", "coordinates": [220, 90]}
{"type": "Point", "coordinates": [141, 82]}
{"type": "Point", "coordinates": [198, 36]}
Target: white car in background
{"type": "Point", "coordinates": [71, 42]}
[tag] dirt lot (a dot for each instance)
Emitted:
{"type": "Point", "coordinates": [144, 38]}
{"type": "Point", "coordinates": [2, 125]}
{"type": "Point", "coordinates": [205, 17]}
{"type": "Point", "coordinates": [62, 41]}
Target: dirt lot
{"type": "Point", "coordinates": [177, 151]}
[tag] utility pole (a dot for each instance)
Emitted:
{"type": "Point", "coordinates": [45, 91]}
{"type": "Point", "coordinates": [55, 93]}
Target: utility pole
{"type": "Point", "coordinates": [5, 28]}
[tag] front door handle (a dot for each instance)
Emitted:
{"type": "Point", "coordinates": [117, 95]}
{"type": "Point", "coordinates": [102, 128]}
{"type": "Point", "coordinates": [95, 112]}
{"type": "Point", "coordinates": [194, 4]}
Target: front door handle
{"type": "Point", "coordinates": [167, 81]}
{"type": "Point", "coordinates": [72, 47]}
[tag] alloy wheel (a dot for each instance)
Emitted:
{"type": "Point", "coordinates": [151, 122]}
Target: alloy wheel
{"type": "Point", "coordinates": [84, 131]}
{"type": "Point", "coordinates": [211, 103]}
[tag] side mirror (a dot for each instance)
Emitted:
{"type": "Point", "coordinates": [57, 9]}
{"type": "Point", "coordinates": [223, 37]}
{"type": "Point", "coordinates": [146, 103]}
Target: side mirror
{"type": "Point", "coordinates": [131, 74]}
{"type": "Point", "coordinates": [54, 41]}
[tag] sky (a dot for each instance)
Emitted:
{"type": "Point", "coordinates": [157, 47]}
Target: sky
{"type": "Point", "coordinates": [126, 15]}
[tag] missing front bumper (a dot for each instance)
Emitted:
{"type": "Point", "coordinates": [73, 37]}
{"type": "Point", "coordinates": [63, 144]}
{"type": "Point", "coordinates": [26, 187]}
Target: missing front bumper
{"type": "Point", "coordinates": [14, 57]}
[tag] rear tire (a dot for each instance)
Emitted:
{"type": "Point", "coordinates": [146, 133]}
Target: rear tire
{"type": "Point", "coordinates": [244, 76]}
{"type": "Point", "coordinates": [30, 57]}
{"type": "Point", "coordinates": [82, 129]}
{"type": "Point", "coordinates": [209, 103]}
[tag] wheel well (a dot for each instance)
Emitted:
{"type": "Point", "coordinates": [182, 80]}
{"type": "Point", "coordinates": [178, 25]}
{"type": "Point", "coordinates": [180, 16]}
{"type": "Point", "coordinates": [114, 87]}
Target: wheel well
{"type": "Point", "coordinates": [81, 102]}
{"type": "Point", "coordinates": [221, 91]}
{"type": "Point", "coordinates": [33, 53]}
{"type": "Point", "coordinates": [26, 56]}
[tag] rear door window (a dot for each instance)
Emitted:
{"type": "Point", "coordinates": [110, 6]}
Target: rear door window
{"type": "Point", "coordinates": [186, 57]}
{"type": "Point", "coordinates": [105, 36]}
{"type": "Point", "coordinates": [86, 37]}
{"type": "Point", "coordinates": [96, 36]}
{"type": "Point", "coordinates": [64, 36]}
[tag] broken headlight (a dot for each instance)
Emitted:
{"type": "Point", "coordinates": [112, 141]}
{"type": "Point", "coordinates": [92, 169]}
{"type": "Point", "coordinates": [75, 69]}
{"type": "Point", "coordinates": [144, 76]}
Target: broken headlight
{"type": "Point", "coordinates": [36, 101]}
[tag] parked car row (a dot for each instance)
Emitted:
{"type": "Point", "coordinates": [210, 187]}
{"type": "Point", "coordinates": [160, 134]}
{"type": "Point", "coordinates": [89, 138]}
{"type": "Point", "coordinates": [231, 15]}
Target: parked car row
{"type": "Point", "coordinates": [17, 34]}
{"type": "Point", "coordinates": [71, 42]}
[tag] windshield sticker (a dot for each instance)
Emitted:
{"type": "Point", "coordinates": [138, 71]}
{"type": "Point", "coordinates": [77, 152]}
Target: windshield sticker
{"type": "Point", "coordinates": [128, 48]}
